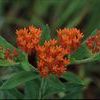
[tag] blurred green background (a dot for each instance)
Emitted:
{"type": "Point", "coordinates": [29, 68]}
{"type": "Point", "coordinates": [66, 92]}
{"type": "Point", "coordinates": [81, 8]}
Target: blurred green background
{"type": "Point", "coordinates": [83, 14]}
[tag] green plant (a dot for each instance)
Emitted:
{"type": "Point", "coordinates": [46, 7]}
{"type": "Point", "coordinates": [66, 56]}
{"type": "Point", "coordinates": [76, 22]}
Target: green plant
{"type": "Point", "coordinates": [24, 80]}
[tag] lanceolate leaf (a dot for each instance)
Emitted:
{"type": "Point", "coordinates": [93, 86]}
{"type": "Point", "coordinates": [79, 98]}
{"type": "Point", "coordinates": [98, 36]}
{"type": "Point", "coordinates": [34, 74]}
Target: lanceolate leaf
{"type": "Point", "coordinates": [18, 79]}
{"type": "Point", "coordinates": [91, 34]}
{"type": "Point", "coordinates": [5, 63]}
{"type": "Point", "coordinates": [94, 32]}
{"type": "Point", "coordinates": [81, 53]}
{"type": "Point", "coordinates": [5, 44]}
{"type": "Point", "coordinates": [73, 91]}
{"type": "Point", "coordinates": [24, 63]}
{"type": "Point", "coordinates": [54, 85]}
{"type": "Point", "coordinates": [1, 95]}
{"type": "Point", "coordinates": [72, 78]}
{"type": "Point", "coordinates": [14, 94]}
{"type": "Point", "coordinates": [97, 57]}
{"type": "Point", "coordinates": [32, 89]}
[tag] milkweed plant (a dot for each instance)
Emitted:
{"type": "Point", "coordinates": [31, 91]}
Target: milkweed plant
{"type": "Point", "coordinates": [40, 64]}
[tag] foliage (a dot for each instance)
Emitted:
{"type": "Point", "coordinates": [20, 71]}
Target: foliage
{"type": "Point", "coordinates": [22, 80]}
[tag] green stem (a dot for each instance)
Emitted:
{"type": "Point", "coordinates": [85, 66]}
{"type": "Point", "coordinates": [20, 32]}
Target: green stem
{"type": "Point", "coordinates": [83, 61]}
{"type": "Point", "coordinates": [41, 88]}
{"type": "Point", "coordinates": [91, 59]}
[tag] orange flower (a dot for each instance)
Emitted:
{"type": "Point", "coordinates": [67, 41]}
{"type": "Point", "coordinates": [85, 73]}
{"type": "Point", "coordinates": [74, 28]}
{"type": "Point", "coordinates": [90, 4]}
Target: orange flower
{"type": "Point", "coordinates": [51, 58]}
{"type": "Point", "coordinates": [93, 43]}
{"type": "Point", "coordinates": [28, 38]}
{"type": "Point", "coordinates": [70, 39]}
{"type": "Point", "coordinates": [10, 55]}
{"type": "Point", "coordinates": [15, 53]}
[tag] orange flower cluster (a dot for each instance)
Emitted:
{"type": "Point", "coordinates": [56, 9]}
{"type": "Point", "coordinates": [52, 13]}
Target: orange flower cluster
{"type": "Point", "coordinates": [93, 43]}
{"type": "Point", "coordinates": [10, 55]}
{"type": "Point", "coordinates": [51, 58]}
{"type": "Point", "coordinates": [28, 38]}
{"type": "Point", "coordinates": [70, 39]}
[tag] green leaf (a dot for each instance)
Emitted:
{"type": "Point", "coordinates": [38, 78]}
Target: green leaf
{"type": "Point", "coordinates": [54, 85]}
{"type": "Point", "coordinates": [91, 34]}
{"type": "Point", "coordinates": [45, 34]}
{"type": "Point", "coordinates": [73, 91]}
{"type": "Point", "coordinates": [72, 78]}
{"type": "Point", "coordinates": [97, 57]}
{"type": "Point", "coordinates": [18, 79]}
{"type": "Point", "coordinates": [6, 63]}
{"type": "Point", "coordinates": [26, 66]}
{"type": "Point", "coordinates": [5, 44]}
{"type": "Point", "coordinates": [71, 87]}
{"type": "Point", "coordinates": [94, 32]}
{"type": "Point", "coordinates": [81, 53]}
{"type": "Point", "coordinates": [1, 95]}
{"type": "Point", "coordinates": [14, 94]}
{"type": "Point", "coordinates": [24, 63]}
{"type": "Point", "coordinates": [32, 89]}
{"type": "Point", "coordinates": [35, 89]}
